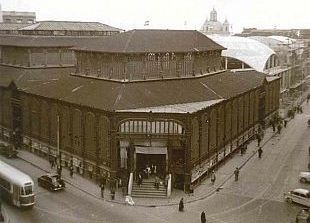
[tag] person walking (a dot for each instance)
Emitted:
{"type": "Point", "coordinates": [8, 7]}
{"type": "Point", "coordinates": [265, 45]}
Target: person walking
{"type": "Point", "coordinates": [213, 177]}
{"type": "Point", "coordinates": [203, 217]}
{"type": "Point", "coordinates": [71, 170]}
{"type": "Point", "coordinates": [260, 151]}
{"type": "Point", "coordinates": [279, 128]}
{"type": "Point", "coordinates": [236, 172]}
{"type": "Point", "coordinates": [181, 205]}
{"type": "Point", "coordinates": [259, 139]}
{"type": "Point", "coordinates": [59, 170]}
{"type": "Point", "coordinates": [102, 185]}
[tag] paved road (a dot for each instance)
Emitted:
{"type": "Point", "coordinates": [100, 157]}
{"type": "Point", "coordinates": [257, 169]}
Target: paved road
{"type": "Point", "coordinates": [256, 197]}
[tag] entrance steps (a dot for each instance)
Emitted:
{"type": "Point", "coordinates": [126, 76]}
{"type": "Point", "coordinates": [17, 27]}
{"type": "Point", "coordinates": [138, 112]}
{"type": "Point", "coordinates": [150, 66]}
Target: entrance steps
{"type": "Point", "coordinates": [148, 190]}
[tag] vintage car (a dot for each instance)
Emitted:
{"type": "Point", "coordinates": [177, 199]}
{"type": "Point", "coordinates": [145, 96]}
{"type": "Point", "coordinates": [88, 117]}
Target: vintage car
{"type": "Point", "coordinates": [51, 182]}
{"type": "Point", "coordinates": [304, 177]}
{"type": "Point", "coordinates": [300, 196]}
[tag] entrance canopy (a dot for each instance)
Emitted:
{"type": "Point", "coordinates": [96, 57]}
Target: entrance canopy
{"type": "Point", "coordinates": [151, 150]}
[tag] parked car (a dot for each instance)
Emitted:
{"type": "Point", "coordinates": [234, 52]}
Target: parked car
{"type": "Point", "coordinates": [51, 182]}
{"type": "Point", "coordinates": [300, 196]}
{"type": "Point", "coordinates": [303, 216]}
{"type": "Point", "coordinates": [304, 177]}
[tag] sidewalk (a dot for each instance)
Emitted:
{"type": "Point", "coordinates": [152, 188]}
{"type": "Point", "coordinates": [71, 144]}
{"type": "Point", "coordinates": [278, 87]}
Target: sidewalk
{"type": "Point", "coordinates": [205, 189]}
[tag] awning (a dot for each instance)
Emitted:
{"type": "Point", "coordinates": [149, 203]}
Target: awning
{"type": "Point", "coordinates": [151, 150]}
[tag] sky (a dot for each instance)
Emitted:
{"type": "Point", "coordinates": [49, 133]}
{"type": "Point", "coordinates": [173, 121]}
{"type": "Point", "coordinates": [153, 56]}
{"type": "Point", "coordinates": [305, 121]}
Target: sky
{"type": "Point", "coordinates": [170, 14]}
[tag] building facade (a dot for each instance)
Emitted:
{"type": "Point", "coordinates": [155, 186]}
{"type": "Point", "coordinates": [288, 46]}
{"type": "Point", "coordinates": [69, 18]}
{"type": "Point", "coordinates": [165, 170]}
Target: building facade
{"type": "Point", "coordinates": [17, 17]}
{"type": "Point", "coordinates": [137, 99]}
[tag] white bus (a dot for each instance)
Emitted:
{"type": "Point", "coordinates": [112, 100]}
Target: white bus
{"type": "Point", "coordinates": [16, 187]}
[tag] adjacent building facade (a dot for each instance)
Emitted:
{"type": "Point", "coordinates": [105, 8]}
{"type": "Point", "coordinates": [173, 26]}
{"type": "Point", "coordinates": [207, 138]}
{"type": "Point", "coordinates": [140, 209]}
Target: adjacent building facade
{"type": "Point", "coordinates": [17, 17]}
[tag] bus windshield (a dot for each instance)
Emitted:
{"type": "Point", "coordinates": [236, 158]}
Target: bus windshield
{"type": "Point", "coordinates": [27, 190]}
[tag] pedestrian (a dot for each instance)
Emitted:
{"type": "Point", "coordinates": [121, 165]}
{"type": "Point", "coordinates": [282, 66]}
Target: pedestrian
{"type": "Point", "coordinates": [279, 128]}
{"type": "Point", "coordinates": [236, 172]}
{"type": "Point", "coordinates": [260, 151]}
{"type": "Point", "coordinates": [203, 217]}
{"type": "Point", "coordinates": [112, 192]}
{"type": "Point", "coordinates": [102, 185]}
{"type": "Point", "coordinates": [51, 160]}
{"type": "Point", "coordinates": [241, 150]}
{"type": "Point", "coordinates": [259, 139]}
{"type": "Point", "coordinates": [285, 123]}
{"type": "Point", "coordinates": [273, 124]}
{"type": "Point", "coordinates": [181, 205]}
{"type": "Point", "coordinates": [59, 170]}
{"type": "Point", "coordinates": [140, 179]}
{"type": "Point", "coordinates": [156, 182]}
{"type": "Point", "coordinates": [213, 177]}
{"type": "Point", "coordinates": [71, 170]}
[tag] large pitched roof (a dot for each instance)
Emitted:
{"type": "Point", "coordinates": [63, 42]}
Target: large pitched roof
{"type": "Point", "coordinates": [12, 26]}
{"type": "Point", "coordinates": [70, 25]}
{"type": "Point", "coordinates": [110, 96]}
{"type": "Point", "coordinates": [155, 41]}
{"type": "Point", "coordinates": [47, 41]}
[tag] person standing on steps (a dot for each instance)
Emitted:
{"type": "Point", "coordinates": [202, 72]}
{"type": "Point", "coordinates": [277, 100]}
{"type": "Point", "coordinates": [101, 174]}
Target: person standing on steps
{"type": "Point", "coordinates": [203, 217]}
{"type": "Point", "coordinates": [260, 151]}
{"type": "Point", "coordinates": [236, 172]}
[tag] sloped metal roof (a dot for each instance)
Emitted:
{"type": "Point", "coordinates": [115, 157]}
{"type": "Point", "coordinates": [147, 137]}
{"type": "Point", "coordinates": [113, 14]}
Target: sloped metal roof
{"type": "Point", "coordinates": [283, 39]}
{"type": "Point", "coordinates": [132, 95]}
{"type": "Point", "coordinates": [70, 25]}
{"type": "Point", "coordinates": [12, 26]}
{"type": "Point", "coordinates": [176, 108]}
{"type": "Point", "coordinates": [249, 51]}
{"type": "Point", "coordinates": [154, 41]}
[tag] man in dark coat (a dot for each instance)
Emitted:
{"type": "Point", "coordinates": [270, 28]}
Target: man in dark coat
{"type": "Point", "coordinates": [236, 172]}
{"type": "Point", "coordinates": [203, 217]}
{"type": "Point", "coordinates": [181, 205]}
{"type": "Point", "coordinates": [260, 151]}
{"type": "Point", "coordinates": [102, 189]}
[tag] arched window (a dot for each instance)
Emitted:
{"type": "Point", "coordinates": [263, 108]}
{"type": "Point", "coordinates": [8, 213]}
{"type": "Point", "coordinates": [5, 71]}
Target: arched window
{"type": "Point", "coordinates": [143, 126]}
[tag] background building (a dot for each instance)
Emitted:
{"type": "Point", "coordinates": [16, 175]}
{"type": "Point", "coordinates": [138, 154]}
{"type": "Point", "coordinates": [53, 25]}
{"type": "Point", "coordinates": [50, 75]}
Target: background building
{"type": "Point", "coordinates": [17, 17]}
{"type": "Point", "coordinates": [213, 26]}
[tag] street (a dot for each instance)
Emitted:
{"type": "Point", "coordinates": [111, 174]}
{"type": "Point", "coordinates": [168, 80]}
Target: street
{"type": "Point", "coordinates": [256, 197]}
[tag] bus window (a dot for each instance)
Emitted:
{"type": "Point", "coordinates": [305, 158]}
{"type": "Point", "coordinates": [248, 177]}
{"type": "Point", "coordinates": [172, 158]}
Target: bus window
{"type": "Point", "coordinates": [27, 190]}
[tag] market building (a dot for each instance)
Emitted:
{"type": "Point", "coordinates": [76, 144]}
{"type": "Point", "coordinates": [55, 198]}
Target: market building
{"type": "Point", "coordinates": [134, 99]}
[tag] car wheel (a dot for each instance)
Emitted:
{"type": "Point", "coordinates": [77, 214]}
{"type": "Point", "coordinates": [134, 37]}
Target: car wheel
{"type": "Point", "coordinates": [289, 200]}
{"type": "Point", "coordinates": [303, 180]}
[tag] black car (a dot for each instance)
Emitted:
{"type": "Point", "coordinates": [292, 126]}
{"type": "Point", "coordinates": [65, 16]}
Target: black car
{"type": "Point", "coordinates": [51, 182]}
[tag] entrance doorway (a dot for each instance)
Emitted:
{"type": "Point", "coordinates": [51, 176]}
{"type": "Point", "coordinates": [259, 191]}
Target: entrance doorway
{"type": "Point", "coordinates": [148, 160]}
{"type": "Point", "coordinates": [148, 156]}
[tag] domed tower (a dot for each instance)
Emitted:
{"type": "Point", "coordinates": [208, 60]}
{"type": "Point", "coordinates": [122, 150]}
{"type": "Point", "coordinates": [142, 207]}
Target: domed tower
{"type": "Point", "coordinates": [213, 15]}
{"type": "Point", "coordinates": [226, 26]}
